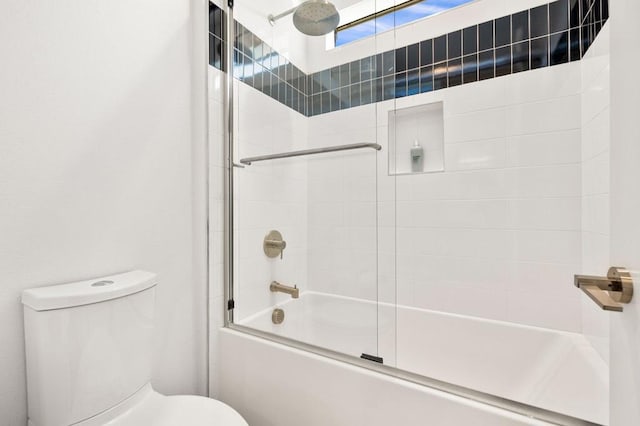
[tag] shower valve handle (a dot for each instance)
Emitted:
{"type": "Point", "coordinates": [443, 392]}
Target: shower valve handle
{"type": "Point", "coordinates": [278, 245]}
{"type": "Point", "coordinates": [273, 244]}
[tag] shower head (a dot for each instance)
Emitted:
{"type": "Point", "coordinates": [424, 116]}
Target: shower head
{"type": "Point", "coordinates": [313, 17]}
{"type": "Point", "coordinates": [316, 17]}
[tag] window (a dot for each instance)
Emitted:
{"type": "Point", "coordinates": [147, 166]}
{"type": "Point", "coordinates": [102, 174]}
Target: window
{"type": "Point", "coordinates": [393, 17]}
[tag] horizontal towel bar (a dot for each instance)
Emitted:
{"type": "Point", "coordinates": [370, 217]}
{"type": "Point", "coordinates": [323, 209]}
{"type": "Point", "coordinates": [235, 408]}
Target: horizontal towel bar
{"type": "Point", "coordinates": [325, 150]}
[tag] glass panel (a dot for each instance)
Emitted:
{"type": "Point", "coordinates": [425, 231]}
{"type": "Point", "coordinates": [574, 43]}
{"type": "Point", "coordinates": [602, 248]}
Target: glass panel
{"type": "Point", "coordinates": [292, 95]}
{"type": "Point", "coordinates": [490, 207]}
{"type": "Point", "coordinates": [449, 253]}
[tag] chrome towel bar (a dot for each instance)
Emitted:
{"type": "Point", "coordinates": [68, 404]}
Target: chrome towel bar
{"type": "Point", "coordinates": [313, 151]}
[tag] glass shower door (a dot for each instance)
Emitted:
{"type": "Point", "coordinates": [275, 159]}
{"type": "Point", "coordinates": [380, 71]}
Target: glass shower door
{"type": "Point", "coordinates": [305, 188]}
{"type": "Point", "coordinates": [492, 153]}
{"type": "Point", "coordinates": [448, 253]}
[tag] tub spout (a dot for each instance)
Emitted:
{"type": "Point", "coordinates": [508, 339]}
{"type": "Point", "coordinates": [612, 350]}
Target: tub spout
{"type": "Point", "coordinates": [276, 287]}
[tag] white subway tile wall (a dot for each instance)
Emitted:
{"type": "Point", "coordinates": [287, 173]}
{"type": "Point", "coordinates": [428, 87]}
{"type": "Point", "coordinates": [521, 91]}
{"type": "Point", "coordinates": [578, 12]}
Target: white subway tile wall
{"type": "Point", "coordinates": [520, 207]}
{"type": "Point", "coordinates": [498, 234]}
{"type": "Point", "coordinates": [268, 196]}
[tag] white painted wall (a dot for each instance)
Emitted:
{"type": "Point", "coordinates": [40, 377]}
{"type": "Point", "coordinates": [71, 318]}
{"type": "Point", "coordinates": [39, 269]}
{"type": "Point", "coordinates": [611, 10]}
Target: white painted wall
{"type": "Point", "coordinates": [97, 173]}
{"type": "Point", "coordinates": [596, 142]}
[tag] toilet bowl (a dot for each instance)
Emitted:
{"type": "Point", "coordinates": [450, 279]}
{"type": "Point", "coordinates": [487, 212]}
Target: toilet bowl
{"type": "Point", "coordinates": [89, 350]}
{"type": "Point", "coordinates": [148, 407]}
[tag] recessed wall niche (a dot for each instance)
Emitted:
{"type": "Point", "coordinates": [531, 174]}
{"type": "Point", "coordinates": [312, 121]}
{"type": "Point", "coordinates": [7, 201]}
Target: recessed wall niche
{"type": "Point", "coordinates": [416, 139]}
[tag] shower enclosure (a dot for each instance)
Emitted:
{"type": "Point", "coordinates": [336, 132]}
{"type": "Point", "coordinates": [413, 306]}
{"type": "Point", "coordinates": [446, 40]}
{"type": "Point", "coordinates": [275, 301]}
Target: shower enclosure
{"type": "Point", "coordinates": [414, 191]}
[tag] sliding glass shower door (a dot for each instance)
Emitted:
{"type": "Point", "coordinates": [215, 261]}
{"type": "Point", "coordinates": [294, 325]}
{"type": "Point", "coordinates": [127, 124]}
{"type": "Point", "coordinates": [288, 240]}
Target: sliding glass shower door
{"type": "Point", "coordinates": [492, 146]}
{"type": "Point", "coordinates": [416, 188]}
{"type": "Point", "coordinates": [305, 187]}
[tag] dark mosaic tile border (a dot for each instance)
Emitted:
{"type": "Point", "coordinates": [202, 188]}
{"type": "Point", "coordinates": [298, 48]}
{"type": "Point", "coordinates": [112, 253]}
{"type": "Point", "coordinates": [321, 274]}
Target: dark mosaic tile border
{"type": "Point", "coordinates": [217, 45]}
{"type": "Point", "coordinates": [547, 35]}
{"type": "Point", "coordinates": [257, 64]}
{"type": "Point", "coordinates": [263, 68]}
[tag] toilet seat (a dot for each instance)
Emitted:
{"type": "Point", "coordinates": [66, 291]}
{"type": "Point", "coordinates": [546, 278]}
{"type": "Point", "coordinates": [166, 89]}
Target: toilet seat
{"type": "Point", "coordinates": [150, 408]}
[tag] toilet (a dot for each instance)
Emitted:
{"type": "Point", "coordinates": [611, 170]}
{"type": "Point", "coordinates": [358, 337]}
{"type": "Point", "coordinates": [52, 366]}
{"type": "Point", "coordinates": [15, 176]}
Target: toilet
{"type": "Point", "coordinates": [89, 347]}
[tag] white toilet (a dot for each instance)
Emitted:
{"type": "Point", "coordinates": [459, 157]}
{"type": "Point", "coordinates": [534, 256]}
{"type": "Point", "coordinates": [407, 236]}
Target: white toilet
{"type": "Point", "coordinates": [89, 347]}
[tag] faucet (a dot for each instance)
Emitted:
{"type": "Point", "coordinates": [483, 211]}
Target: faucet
{"type": "Point", "coordinates": [276, 287]}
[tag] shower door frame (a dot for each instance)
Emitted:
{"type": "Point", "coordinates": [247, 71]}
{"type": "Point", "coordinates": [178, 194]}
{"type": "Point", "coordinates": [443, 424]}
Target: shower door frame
{"type": "Point", "coordinates": [229, 302]}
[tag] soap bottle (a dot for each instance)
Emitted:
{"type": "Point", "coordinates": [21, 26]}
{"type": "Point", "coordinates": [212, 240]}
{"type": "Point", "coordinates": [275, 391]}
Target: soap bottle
{"type": "Point", "coordinates": [417, 158]}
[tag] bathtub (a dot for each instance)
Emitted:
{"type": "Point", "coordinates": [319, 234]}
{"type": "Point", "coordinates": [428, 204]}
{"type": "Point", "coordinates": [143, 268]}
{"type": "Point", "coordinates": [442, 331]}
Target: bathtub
{"type": "Point", "coordinates": [554, 370]}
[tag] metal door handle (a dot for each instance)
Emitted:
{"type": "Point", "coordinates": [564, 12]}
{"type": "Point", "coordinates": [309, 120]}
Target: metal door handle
{"type": "Point", "coordinates": [608, 292]}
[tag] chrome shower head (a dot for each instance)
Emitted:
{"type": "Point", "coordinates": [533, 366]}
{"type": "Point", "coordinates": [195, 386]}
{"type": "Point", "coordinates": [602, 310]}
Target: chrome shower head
{"type": "Point", "coordinates": [313, 17]}
{"type": "Point", "coordinates": [316, 17]}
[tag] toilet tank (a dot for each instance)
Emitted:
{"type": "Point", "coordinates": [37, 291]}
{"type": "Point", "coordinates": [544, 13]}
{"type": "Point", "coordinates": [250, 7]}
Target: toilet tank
{"type": "Point", "coordinates": [88, 345]}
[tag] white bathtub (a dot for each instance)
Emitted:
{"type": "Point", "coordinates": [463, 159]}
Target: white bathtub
{"type": "Point", "coordinates": [555, 370]}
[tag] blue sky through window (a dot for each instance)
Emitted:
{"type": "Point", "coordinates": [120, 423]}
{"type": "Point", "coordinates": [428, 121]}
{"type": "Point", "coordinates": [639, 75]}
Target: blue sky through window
{"type": "Point", "coordinates": [394, 19]}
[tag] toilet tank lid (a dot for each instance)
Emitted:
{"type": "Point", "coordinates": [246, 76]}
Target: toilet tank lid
{"type": "Point", "coordinates": [89, 291]}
